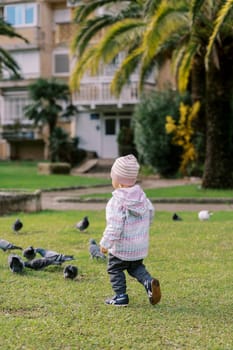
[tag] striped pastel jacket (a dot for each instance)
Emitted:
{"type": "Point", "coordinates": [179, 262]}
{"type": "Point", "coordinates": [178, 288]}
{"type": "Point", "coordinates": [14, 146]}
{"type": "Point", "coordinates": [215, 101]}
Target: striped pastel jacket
{"type": "Point", "coordinates": [129, 214]}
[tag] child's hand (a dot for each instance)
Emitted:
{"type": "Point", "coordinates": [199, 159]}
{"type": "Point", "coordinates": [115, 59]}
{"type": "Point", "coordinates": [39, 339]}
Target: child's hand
{"type": "Point", "coordinates": [103, 250]}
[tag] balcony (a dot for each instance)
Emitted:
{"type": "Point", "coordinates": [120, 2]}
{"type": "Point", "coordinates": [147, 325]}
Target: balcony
{"type": "Point", "coordinates": [11, 111]}
{"type": "Point", "coordinates": [13, 132]}
{"type": "Point", "coordinates": [96, 92]}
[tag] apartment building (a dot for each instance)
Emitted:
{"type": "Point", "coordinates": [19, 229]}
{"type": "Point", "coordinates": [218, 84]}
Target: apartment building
{"type": "Point", "coordinates": [48, 26]}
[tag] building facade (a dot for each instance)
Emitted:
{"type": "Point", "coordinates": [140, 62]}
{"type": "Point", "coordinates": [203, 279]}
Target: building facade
{"type": "Point", "coordinates": [49, 29]}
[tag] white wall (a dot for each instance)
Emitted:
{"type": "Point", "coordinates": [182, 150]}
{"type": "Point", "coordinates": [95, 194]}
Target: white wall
{"type": "Point", "coordinates": [89, 133]}
{"type": "Point", "coordinates": [91, 130]}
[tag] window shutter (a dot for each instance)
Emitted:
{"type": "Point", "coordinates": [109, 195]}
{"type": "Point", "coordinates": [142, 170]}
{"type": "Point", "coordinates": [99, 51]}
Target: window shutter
{"type": "Point", "coordinates": [61, 63]}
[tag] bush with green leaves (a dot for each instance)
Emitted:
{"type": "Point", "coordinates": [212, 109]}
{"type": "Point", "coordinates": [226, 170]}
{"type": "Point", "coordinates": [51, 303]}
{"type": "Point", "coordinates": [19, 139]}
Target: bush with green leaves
{"type": "Point", "coordinates": [153, 144]}
{"type": "Point", "coordinates": [65, 149]}
{"type": "Point", "coordinates": [125, 141]}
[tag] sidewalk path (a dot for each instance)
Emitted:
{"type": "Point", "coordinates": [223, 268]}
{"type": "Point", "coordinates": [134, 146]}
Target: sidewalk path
{"type": "Point", "coordinates": [69, 199]}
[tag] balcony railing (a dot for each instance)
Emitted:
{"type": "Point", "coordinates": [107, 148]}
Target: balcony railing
{"type": "Point", "coordinates": [18, 135]}
{"type": "Point", "coordinates": [92, 94]}
{"type": "Point", "coordinates": [11, 111]}
{"type": "Point", "coordinates": [96, 91]}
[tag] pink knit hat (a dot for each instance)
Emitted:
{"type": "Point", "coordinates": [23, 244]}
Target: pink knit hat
{"type": "Point", "coordinates": [125, 170]}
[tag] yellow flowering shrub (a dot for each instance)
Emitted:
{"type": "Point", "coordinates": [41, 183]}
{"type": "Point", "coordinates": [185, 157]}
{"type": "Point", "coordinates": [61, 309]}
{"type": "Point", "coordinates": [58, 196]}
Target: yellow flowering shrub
{"type": "Point", "coordinates": [183, 132]}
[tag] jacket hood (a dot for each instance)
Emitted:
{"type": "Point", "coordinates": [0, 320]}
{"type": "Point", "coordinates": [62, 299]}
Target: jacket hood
{"type": "Point", "coordinates": [133, 199]}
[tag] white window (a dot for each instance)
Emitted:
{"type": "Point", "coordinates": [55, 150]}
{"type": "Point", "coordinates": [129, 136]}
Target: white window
{"type": "Point", "coordinates": [21, 15]}
{"type": "Point", "coordinates": [61, 63]}
{"type": "Point", "coordinates": [62, 16]}
{"type": "Point", "coordinates": [29, 63]}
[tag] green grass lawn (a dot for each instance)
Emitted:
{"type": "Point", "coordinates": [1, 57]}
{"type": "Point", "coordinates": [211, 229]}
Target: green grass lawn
{"type": "Point", "coordinates": [188, 191]}
{"type": "Point", "coordinates": [185, 191]}
{"type": "Point", "coordinates": [192, 259]}
{"type": "Point", "coordinates": [24, 176]}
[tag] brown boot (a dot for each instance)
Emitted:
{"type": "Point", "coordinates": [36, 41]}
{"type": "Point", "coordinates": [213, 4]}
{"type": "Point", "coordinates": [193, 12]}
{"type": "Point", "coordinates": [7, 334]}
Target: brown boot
{"type": "Point", "coordinates": [153, 291]}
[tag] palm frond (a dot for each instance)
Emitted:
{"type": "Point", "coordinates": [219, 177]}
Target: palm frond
{"type": "Point", "coordinates": [81, 66]}
{"type": "Point", "coordinates": [151, 6]}
{"type": "Point", "coordinates": [90, 27]}
{"type": "Point", "coordinates": [134, 9]}
{"type": "Point", "coordinates": [195, 8]}
{"type": "Point", "coordinates": [122, 75]}
{"type": "Point", "coordinates": [186, 65]}
{"type": "Point", "coordinates": [177, 58]}
{"type": "Point", "coordinates": [34, 111]}
{"type": "Point", "coordinates": [88, 7]}
{"type": "Point", "coordinates": [88, 31]}
{"type": "Point", "coordinates": [118, 37]}
{"type": "Point", "coordinates": [221, 17]}
{"type": "Point", "coordinates": [167, 21]}
{"type": "Point", "coordinates": [9, 63]}
{"type": "Point", "coordinates": [85, 9]}
{"type": "Point", "coordinates": [6, 29]}
{"type": "Point", "coordinates": [145, 69]}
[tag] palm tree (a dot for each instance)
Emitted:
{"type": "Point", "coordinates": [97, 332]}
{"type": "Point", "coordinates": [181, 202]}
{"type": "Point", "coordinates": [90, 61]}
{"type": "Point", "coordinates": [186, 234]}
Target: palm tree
{"type": "Point", "coordinates": [122, 23]}
{"type": "Point", "coordinates": [6, 61]}
{"type": "Point", "coordinates": [219, 92]}
{"type": "Point", "coordinates": [182, 30]}
{"type": "Point", "coordinates": [221, 17]}
{"type": "Point", "coordinates": [50, 101]}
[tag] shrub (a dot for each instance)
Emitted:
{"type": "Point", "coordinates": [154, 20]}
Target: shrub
{"type": "Point", "coordinates": [125, 141]}
{"type": "Point", "coordinates": [153, 144]}
{"type": "Point", "coordinates": [65, 149]}
{"type": "Point", "coordinates": [183, 133]}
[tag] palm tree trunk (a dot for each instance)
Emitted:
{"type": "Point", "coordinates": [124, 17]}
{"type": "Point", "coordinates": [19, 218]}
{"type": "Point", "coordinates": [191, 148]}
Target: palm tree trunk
{"type": "Point", "coordinates": [198, 79]}
{"type": "Point", "coordinates": [218, 167]}
{"type": "Point", "coordinates": [52, 125]}
{"type": "Point", "coordinates": [198, 85]}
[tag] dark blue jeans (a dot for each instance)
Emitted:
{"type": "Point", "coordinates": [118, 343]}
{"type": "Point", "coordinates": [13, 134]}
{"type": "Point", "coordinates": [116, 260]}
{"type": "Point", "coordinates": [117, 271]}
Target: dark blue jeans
{"type": "Point", "coordinates": [116, 268]}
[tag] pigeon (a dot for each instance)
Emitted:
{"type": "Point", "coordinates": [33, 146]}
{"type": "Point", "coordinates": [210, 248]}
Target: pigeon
{"type": "Point", "coordinates": [16, 264]}
{"type": "Point", "coordinates": [83, 224]}
{"type": "Point", "coordinates": [5, 245]}
{"type": "Point", "coordinates": [70, 271]}
{"type": "Point", "coordinates": [176, 217]}
{"type": "Point", "coordinates": [60, 258]}
{"type": "Point", "coordinates": [204, 215]}
{"type": "Point", "coordinates": [40, 264]}
{"type": "Point", "coordinates": [94, 250]}
{"type": "Point", "coordinates": [29, 253]}
{"type": "Point", "coordinates": [17, 225]}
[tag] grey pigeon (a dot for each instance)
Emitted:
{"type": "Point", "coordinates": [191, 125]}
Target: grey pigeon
{"type": "Point", "coordinates": [5, 245]}
{"type": "Point", "coordinates": [83, 224]}
{"type": "Point", "coordinates": [176, 217]}
{"type": "Point", "coordinates": [16, 264]}
{"type": "Point", "coordinates": [94, 250]}
{"type": "Point", "coordinates": [70, 271]}
{"type": "Point", "coordinates": [29, 253]}
{"type": "Point", "coordinates": [17, 225]}
{"type": "Point", "coordinates": [46, 253]}
{"type": "Point", "coordinates": [40, 264]}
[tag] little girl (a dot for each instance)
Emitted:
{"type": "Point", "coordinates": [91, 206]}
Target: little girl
{"type": "Point", "coordinates": [129, 214]}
